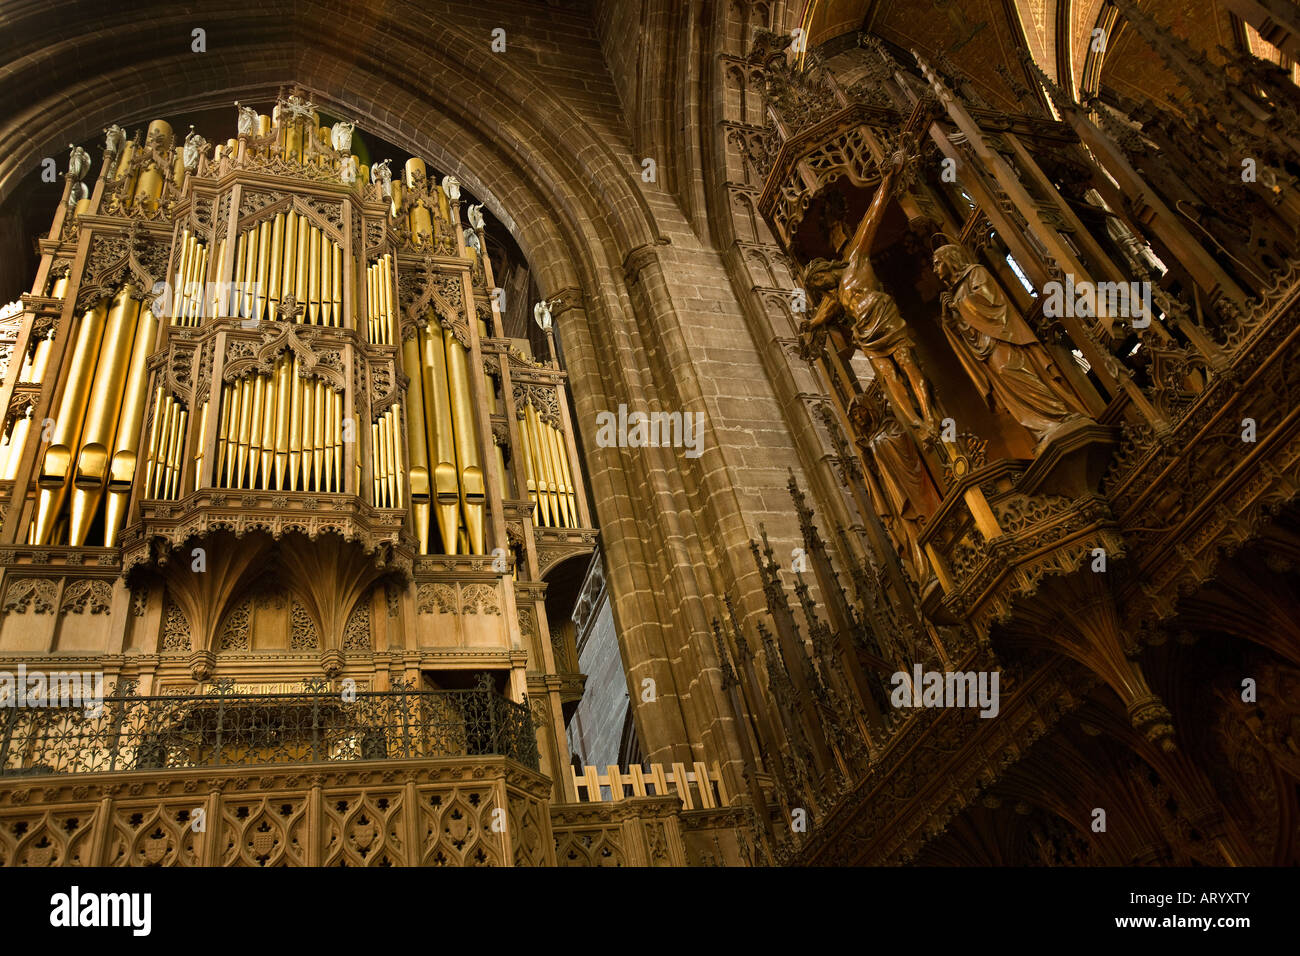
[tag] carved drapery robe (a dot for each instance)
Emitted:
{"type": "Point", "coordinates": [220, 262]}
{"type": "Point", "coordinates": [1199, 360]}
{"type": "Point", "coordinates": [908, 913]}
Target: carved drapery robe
{"type": "Point", "coordinates": [910, 497]}
{"type": "Point", "coordinates": [878, 329]}
{"type": "Point", "coordinates": [1000, 354]}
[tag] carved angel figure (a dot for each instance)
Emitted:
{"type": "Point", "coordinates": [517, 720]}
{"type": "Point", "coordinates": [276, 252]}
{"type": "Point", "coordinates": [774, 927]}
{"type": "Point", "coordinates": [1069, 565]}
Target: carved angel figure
{"type": "Point", "coordinates": [341, 136]}
{"type": "Point", "coordinates": [475, 215]}
{"type": "Point", "coordinates": [380, 173]}
{"type": "Point", "coordinates": [247, 123]}
{"type": "Point", "coordinates": [78, 163]}
{"type": "Point", "coordinates": [114, 138]}
{"type": "Point", "coordinates": [78, 192]}
{"type": "Point", "coordinates": [451, 186]}
{"type": "Point", "coordinates": [471, 240]}
{"type": "Point", "coordinates": [195, 147]}
{"type": "Point", "coordinates": [348, 170]}
{"type": "Point", "coordinates": [542, 314]}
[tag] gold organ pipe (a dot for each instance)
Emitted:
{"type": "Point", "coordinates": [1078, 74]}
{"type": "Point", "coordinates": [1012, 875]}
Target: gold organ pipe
{"type": "Point", "coordinates": [571, 489]}
{"type": "Point", "coordinates": [223, 431]}
{"type": "Point", "coordinates": [238, 279]}
{"type": "Point", "coordinates": [157, 466]}
{"type": "Point", "coordinates": [295, 426]}
{"type": "Point", "coordinates": [313, 276]}
{"type": "Point", "coordinates": [333, 424]}
{"type": "Point", "coordinates": [530, 473]}
{"type": "Point", "coordinates": [283, 383]}
{"type": "Point", "coordinates": [181, 307]}
{"type": "Point", "coordinates": [384, 455]}
{"type": "Point", "coordinates": [373, 333]}
{"type": "Point", "coordinates": [182, 275]}
{"type": "Point", "coordinates": [33, 368]}
{"type": "Point", "coordinates": [563, 487]}
{"type": "Point", "coordinates": [543, 451]}
{"type": "Point", "coordinates": [164, 443]}
{"type": "Point", "coordinates": [122, 466]}
{"type": "Point", "coordinates": [156, 471]}
{"type": "Point", "coordinates": [245, 428]}
{"type": "Point", "coordinates": [300, 293]}
{"type": "Point", "coordinates": [274, 280]}
{"type": "Point", "coordinates": [503, 481]}
{"type": "Point", "coordinates": [217, 303]}
{"type": "Point", "coordinates": [552, 463]}
{"type": "Point", "coordinates": [55, 467]}
{"type": "Point", "coordinates": [232, 433]}
{"type": "Point", "coordinates": [14, 450]}
{"type": "Point", "coordinates": [329, 438]}
{"type": "Point", "coordinates": [390, 470]}
{"type": "Point", "coordinates": [442, 453]}
{"type": "Point", "coordinates": [390, 301]}
{"type": "Point", "coordinates": [174, 465]}
{"type": "Point", "coordinates": [537, 483]}
{"type": "Point", "coordinates": [336, 276]}
{"type": "Point", "coordinates": [370, 304]}
{"type": "Point", "coordinates": [336, 423]}
{"type": "Point", "coordinates": [287, 284]}
{"type": "Point", "coordinates": [151, 450]}
{"type": "Point", "coordinates": [381, 453]}
{"type": "Point", "coordinates": [472, 492]}
{"type": "Point", "coordinates": [254, 434]}
{"type": "Point", "coordinates": [559, 504]}
{"type": "Point", "coordinates": [200, 286]}
{"type": "Point", "coordinates": [123, 161]}
{"type": "Point", "coordinates": [187, 280]}
{"type": "Point", "coordinates": [327, 316]}
{"type": "Point", "coordinates": [418, 450]}
{"type": "Point", "coordinates": [42, 360]}
{"type": "Point", "coordinates": [318, 433]}
{"type": "Point", "coordinates": [307, 399]}
{"type": "Point", "coordinates": [561, 475]}
{"type": "Point", "coordinates": [197, 284]}
{"type": "Point", "coordinates": [264, 429]}
{"type": "Point", "coordinates": [376, 478]}
{"type": "Point", "coordinates": [198, 450]}
{"type": "Point", "coordinates": [191, 283]}
{"type": "Point", "coordinates": [264, 230]}
{"type": "Point", "coordinates": [547, 466]}
{"type": "Point", "coordinates": [399, 459]}
{"type": "Point", "coordinates": [545, 483]}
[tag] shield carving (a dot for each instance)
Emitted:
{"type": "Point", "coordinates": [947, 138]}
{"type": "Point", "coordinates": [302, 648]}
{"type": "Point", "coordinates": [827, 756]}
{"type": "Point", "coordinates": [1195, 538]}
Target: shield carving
{"type": "Point", "coordinates": [155, 847]}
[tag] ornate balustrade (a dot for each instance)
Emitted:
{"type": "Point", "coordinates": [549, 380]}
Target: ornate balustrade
{"type": "Point", "coordinates": [319, 726]}
{"type": "Point", "coordinates": [457, 811]}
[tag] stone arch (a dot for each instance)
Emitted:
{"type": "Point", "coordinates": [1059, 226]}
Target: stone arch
{"type": "Point", "coordinates": [561, 179]}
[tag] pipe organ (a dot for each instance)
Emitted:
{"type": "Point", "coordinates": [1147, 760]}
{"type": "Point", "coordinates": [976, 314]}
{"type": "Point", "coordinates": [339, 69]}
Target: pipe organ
{"type": "Point", "coordinates": [223, 330]}
{"type": "Point", "coordinates": [264, 339]}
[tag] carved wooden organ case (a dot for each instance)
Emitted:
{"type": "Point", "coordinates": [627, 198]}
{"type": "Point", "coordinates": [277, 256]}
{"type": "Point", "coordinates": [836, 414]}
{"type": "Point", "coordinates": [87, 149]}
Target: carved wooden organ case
{"type": "Point", "coordinates": [264, 354]}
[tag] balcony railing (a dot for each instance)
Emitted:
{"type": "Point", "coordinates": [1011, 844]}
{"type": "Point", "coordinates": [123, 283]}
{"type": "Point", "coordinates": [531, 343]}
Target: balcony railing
{"type": "Point", "coordinates": [228, 729]}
